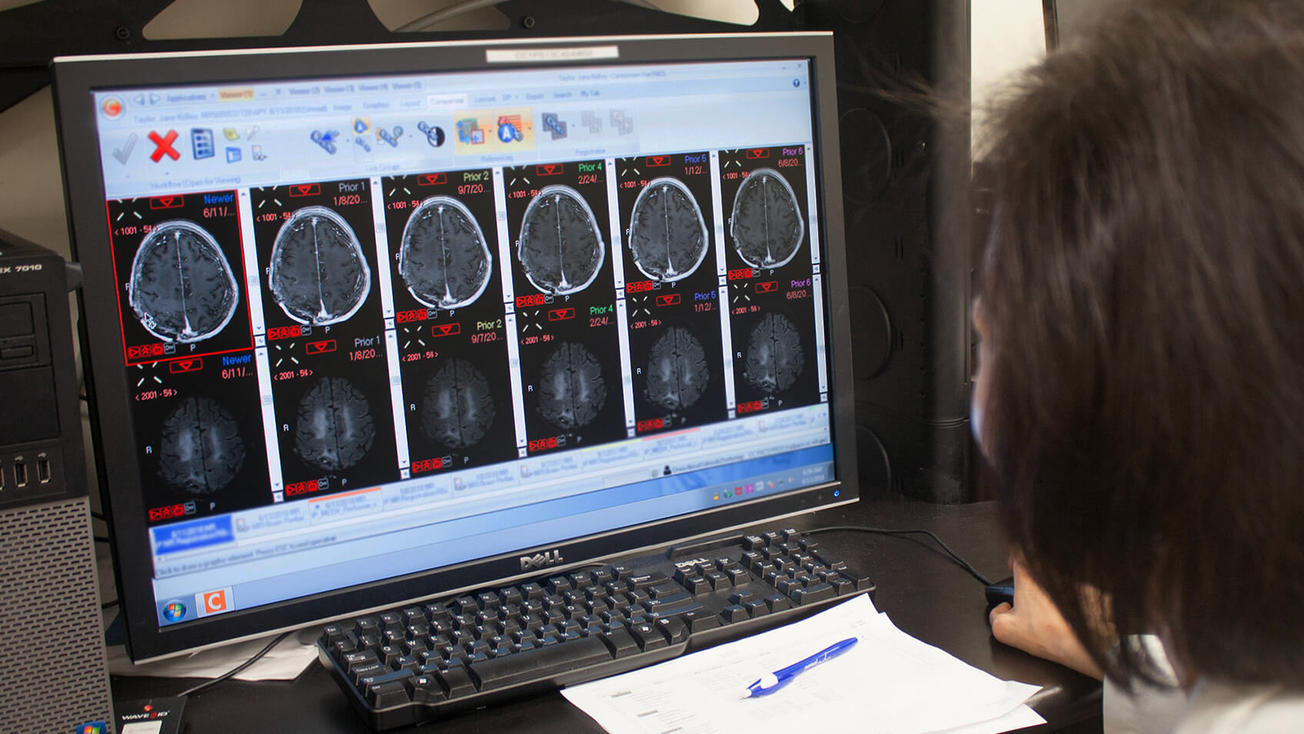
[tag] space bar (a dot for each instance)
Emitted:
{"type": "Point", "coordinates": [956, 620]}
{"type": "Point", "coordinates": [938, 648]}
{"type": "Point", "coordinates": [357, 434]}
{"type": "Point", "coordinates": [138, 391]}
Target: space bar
{"type": "Point", "coordinates": [540, 663]}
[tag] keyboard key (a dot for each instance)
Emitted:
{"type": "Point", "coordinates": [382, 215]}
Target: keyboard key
{"type": "Point", "coordinates": [618, 641]}
{"type": "Point", "coordinates": [777, 603]}
{"type": "Point", "coordinates": [742, 597]}
{"type": "Point", "coordinates": [734, 613]}
{"type": "Point", "coordinates": [674, 629]}
{"type": "Point", "coordinates": [814, 592]}
{"type": "Point", "coordinates": [700, 619]}
{"type": "Point", "coordinates": [539, 664]}
{"type": "Point", "coordinates": [658, 609]}
{"type": "Point", "coordinates": [456, 680]}
{"type": "Point", "coordinates": [358, 673]}
{"type": "Point", "coordinates": [384, 695]}
{"type": "Point", "coordinates": [426, 689]}
{"type": "Point", "coordinates": [333, 633]}
{"type": "Point", "coordinates": [697, 585]}
{"type": "Point", "coordinates": [648, 637]}
{"type": "Point", "coordinates": [717, 580]}
{"type": "Point", "coordinates": [353, 660]}
{"type": "Point", "coordinates": [644, 580]}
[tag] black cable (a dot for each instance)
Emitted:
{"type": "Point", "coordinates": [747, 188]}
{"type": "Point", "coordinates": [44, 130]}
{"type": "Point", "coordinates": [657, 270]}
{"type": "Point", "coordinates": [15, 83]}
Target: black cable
{"type": "Point", "coordinates": [101, 539]}
{"type": "Point", "coordinates": [908, 531]}
{"type": "Point", "coordinates": [256, 657]}
{"type": "Point", "coordinates": [98, 516]}
{"type": "Point", "coordinates": [108, 604]}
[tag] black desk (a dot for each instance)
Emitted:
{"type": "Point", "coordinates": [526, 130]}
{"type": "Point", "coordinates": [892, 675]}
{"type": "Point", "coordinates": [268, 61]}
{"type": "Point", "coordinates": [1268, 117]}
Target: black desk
{"type": "Point", "coordinates": [923, 592]}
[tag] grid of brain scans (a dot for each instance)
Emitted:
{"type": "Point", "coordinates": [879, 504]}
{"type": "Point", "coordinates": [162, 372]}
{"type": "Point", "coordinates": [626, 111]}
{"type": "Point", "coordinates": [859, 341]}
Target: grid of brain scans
{"type": "Point", "coordinates": [317, 338]}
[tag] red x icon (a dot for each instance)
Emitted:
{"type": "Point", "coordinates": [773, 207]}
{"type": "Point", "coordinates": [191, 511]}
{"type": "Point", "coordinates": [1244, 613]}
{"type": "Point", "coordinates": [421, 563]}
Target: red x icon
{"type": "Point", "coordinates": [163, 146]}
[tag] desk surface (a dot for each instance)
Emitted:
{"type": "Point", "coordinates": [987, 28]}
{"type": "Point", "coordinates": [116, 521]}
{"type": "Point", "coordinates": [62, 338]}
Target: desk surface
{"type": "Point", "coordinates": [924, 593]}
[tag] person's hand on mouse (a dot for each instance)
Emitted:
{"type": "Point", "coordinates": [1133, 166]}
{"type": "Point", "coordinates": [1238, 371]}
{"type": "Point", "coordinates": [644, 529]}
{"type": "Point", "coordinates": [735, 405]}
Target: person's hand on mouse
{"type": "Point", "coordinates": [1033, 624]}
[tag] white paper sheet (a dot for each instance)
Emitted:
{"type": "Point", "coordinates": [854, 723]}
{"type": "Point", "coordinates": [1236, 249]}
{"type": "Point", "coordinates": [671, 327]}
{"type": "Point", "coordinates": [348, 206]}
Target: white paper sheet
{"type": "Point", "coordinates": [888, 683]}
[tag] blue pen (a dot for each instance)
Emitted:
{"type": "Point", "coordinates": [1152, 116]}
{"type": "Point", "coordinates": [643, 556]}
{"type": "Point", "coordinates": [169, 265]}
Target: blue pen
{"type": "Point", "coordinates": [771, 682]}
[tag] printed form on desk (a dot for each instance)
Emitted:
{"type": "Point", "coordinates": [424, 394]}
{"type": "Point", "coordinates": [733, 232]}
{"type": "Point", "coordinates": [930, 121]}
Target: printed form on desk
{"type": "Point", "coordinates": [888, 683]}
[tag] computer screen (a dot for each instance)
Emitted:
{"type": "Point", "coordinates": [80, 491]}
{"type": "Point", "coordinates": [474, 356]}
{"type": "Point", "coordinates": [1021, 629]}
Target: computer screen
{"type": "Point", "coordinates": [374, 324]}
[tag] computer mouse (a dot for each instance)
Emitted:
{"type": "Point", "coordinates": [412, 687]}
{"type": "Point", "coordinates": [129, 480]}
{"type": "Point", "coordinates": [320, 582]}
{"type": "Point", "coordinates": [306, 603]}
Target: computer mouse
{"type": "Point", "coordinates": [1001, 591]}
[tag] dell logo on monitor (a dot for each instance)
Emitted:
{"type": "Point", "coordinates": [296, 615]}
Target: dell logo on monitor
{"type": "Point", "coordinates": [541, 560]}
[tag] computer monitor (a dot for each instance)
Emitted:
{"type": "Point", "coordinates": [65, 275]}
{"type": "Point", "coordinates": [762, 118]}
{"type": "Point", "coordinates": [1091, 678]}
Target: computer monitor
{"type": "Point", "coordinates": [374, 324]}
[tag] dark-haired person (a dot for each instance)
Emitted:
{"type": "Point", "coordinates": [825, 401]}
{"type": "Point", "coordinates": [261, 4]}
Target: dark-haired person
{"type": "Point", "coordinates": [1140, 396]}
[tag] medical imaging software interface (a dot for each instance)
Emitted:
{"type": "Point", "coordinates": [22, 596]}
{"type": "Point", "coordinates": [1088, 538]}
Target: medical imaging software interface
{"type": "Point", "coordinates": [377, 325]}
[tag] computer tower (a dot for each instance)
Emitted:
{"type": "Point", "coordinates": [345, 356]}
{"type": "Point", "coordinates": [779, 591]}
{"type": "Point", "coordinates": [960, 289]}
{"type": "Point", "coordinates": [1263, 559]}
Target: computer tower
{"type": "Point", "coordinates": [53, 670]}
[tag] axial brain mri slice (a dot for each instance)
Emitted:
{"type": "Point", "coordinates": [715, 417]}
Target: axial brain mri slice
{"type": "Point", "coordinates": [459, 405]}
{"type": "Point", "coordinates": [667, 232]}
{"type": "Point", "coordinates": [443, 257]}
{"type": "Point", "coordinates": [200, 449]}
{"type": "Point", "coordinates": [561, 246]}
{"type": "Point", "coordinates": [677, 370]}
{"type": "Point", "coordinates": [334, 429]}
{"type": "Point", "coordinates": [181, 286]}
{"type": "Point", "coordinates": [572, 389]}
{"type": "Point", "coordinates": [318, 273]}
{"type": "Point", "coordinates": [774, 356]}
{"type": "Point", "coordinates": [766, 224]}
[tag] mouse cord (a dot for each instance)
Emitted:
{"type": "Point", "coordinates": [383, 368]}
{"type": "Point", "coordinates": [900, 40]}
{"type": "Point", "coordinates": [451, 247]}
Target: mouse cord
{"type": "Point", "coordinates": [908, 531]}
{"type": "Point", "coordinates": [256, 657]}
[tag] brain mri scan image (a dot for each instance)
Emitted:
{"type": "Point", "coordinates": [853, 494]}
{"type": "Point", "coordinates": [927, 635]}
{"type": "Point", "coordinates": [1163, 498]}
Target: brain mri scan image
{"type": "Point", "coordinates": [334, 429]}
{"type": "Point", "coordinates": [677, 370]}
{"type": "Point", "coordinates": [200, 449]}
{"type": "Point", "coordinates": [561, 246]}
{"type": "Point", "coordinates": [667, 232]}
{"type": "Point", "coordinates": [443, 257]}
{"type": "Point", "coordinates": [774, 356]}
{"type": "Point", "coordinates": [572, 389]}
{"type": "Point", "coordinates": [318, 273]}
{"type": "Point", "coordinates": [181, 286]}
{"type": "Point", "coordinates": [766, 224]}
{"type": "Point", "coordinates": [458, 407]}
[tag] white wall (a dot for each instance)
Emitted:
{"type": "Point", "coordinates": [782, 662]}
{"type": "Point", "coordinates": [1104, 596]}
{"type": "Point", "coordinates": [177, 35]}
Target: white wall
{"type": "Point", "coordinates": [1005, 36]}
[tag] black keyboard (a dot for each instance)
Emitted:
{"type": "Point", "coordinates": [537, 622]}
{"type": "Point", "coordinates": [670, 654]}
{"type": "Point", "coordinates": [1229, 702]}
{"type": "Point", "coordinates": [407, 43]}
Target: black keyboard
{"type": "Point", "coordinates": [424, 661]}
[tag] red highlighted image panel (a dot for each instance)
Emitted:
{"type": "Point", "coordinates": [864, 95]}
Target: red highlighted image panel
{"type": "Point", "coordinates": [180, 273]}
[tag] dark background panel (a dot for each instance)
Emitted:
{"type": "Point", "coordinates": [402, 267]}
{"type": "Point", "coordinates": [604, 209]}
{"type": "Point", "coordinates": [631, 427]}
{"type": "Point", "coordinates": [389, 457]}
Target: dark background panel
{"type": "Point", "coordinates": [430, 338]}
{"type": "Point", "coordinates": [302, 357]}
{"type": "Point", "coordinates": [690, 303]}
{"type": "Point", "coordinates": [587, 317]}
{"type": "Point", "coordinates": [233, 389]}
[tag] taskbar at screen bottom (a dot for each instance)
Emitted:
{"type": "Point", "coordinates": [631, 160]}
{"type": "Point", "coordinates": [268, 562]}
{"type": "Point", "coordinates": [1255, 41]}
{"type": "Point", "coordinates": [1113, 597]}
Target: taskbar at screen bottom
{"type": "Point", "coordinates": [439, 544]}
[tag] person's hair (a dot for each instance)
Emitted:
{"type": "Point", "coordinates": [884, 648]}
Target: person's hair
{"type": "Point", "coordinates": [1142, 287]}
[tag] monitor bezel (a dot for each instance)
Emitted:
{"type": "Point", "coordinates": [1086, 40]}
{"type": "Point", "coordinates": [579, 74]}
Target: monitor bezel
{"type": "Point", "coordinates": [76, 78]}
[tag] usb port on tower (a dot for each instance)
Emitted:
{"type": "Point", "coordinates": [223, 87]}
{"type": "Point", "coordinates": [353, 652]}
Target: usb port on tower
{"type": "Point", "coordinates": [20, 473]}
{"type": "Point", "coordinates": [42, 470]}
